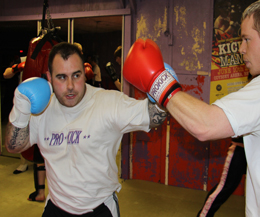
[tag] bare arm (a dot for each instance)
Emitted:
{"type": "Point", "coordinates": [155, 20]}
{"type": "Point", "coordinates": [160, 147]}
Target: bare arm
{"type": "Point", "coordinates": [203, 121]}
{"type": "Point", "coordinates": [157, 115]}
{"type": "Point", "coordinates": [16, 139]}
{"type": "Point", "coordinates": [118, 84]}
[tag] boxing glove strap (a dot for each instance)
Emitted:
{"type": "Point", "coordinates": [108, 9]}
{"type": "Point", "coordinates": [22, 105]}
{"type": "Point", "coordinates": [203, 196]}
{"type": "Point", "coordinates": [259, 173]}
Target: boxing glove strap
{"type": "Point", "coordinates": [18, 119]}
{"type": "Point", "coordinates": [164, 87]}
{"type": "Point", "coordinates": [20, 113]}
{"type": "Point", "coordinates": [170, 93]}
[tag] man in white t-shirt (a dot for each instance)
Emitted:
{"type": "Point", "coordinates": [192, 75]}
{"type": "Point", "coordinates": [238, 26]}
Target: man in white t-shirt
{"type": "Point", "coordinates": [78, 134]}
{"type": "Point", "coordinates": [237, 114]}
{"type": "Point", "coordinates": [96, 81]}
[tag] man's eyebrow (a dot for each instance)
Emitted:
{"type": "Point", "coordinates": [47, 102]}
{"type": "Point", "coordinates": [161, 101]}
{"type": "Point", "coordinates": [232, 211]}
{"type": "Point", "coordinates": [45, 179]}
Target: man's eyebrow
{"type": "Point", "coordinates": [63, 74]}
{"type": "Point", "coordinates": [79, 71]}
{"type": "Point", "coordinates": [244, 36]}
{"type": "Point", "coordinates": [57, 75]}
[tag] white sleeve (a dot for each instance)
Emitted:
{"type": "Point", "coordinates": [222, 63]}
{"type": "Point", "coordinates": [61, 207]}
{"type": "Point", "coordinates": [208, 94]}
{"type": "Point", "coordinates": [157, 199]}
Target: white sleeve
{"type": "Point", "coordinates": [134, 115]}
{"type": "Point", "coordinates": [127, 114]}
{"type": "Point", "coordinates": [242, 108]}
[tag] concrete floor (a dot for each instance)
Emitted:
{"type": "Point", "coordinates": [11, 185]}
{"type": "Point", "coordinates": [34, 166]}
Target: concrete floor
{"type": "Point", "coordinates": [137, 198]}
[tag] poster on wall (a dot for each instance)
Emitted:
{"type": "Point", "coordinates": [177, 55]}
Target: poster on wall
{"type": "Point", "coordinates": [228, 71]}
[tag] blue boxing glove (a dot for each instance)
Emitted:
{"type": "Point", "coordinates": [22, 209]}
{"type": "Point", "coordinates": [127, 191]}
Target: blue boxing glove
{"type": "Point", "coordinates": [30, 97]}
{"type": "Point", "coordinates": [172, 72]}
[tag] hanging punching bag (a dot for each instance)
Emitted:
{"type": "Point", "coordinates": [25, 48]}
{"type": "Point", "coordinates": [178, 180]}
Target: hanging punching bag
{"type": "Point", "coordinates": [36, 65]}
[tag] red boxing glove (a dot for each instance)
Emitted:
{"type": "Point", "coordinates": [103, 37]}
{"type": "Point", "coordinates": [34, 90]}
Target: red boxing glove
{"type": "Point", "coordinates": [144, 68]}
{"type": "Point", "coordinates": [87, 65]}
{"type": "Point", "coordinates": [88, 71]}
{"type": "Point", "coordinates": [18, 67]}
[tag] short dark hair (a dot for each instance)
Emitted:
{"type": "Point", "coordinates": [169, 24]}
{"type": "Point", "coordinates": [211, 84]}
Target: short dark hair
{"type": "Point", "coordinates": [65, 49]}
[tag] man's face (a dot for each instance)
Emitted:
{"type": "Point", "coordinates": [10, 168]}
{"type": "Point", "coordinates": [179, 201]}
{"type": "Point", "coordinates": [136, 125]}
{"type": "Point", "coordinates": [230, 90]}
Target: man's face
{"type": "Point", "coordinates": [250, 46]}
{"type": "Point", "coordinates": [68, 79]}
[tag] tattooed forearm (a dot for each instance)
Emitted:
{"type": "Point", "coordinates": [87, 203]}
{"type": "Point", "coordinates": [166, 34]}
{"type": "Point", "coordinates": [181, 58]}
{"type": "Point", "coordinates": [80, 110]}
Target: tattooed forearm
{"type": "Point", "coordinates": [12, 143]}
{"type": "Point", "coordinates": [16, 139]}
{"type": "Point", "coordinates": [157, 115]}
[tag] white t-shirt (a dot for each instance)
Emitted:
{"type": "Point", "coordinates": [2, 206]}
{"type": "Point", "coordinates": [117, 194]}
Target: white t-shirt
{"type": "Point", "coordinates": [79, 145]}
{"type": "Point", "coordinates": [242, 109]}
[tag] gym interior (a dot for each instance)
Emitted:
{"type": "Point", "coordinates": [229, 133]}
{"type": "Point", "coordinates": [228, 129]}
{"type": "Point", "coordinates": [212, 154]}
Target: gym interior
{"type": "Point", "coordinates": [166, 172]}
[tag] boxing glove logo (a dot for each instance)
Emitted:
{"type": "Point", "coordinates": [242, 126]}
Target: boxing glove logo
{"type": "Point", "coordinates": [160, 83]}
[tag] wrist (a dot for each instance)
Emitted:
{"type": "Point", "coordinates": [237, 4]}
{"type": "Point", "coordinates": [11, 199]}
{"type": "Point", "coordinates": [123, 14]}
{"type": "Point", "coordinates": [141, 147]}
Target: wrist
{"type": "Point", "coordinates": [176, 89]}
{"type": "Point", "coordinates": [19, 119]}
{"type": "Point", "coordinates": [21, 111]}
{"type": "Point", "coordinates": [164, 87]}
{"type": "Point", "coordinates": [161, 110]}
{"type": "Point", "coordinates": [15, 69]}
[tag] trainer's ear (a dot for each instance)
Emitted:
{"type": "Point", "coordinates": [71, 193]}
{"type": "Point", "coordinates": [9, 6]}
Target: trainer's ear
{"type": "Point", "coordinates": [48, 76]}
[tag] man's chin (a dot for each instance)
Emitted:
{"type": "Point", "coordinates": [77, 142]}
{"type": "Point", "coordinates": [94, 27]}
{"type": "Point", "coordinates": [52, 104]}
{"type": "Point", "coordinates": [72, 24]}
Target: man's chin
{"type": "Point", "coordinates": [71, 104]}
{"type": "Point", "coordinates": [68, 103]}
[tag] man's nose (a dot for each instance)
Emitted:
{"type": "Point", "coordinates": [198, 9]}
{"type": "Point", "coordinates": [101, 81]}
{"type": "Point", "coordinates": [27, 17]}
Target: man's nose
{"type": "Point", "coordinates": [242, 48]}
{"type": "Point", "coordinates": [70, 84]}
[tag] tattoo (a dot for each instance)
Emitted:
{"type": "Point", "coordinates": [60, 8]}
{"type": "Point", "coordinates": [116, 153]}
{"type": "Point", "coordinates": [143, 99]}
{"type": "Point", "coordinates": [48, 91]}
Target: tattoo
{"type": "Point", "coordinates": [12, 145]}
{"type": "Point", "coordinates": [157, 115]}
{"type": "Point", "coordinates": [16, 138]}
